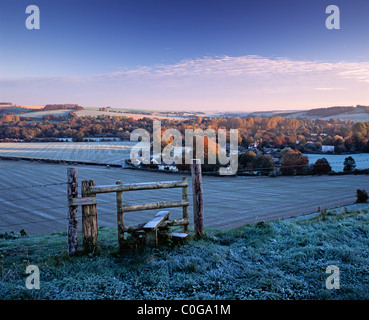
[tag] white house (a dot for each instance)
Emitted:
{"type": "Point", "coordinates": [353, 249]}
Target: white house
{"type": "Point", "coordinates": [327, 148]}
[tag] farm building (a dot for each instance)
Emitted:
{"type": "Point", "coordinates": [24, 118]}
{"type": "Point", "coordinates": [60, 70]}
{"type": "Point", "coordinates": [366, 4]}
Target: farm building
{"type": "Point", "coordinates": [327, 148]}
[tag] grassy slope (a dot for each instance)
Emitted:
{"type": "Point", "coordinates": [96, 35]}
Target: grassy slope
{"type": "Point", "coordinates": [276, 260]}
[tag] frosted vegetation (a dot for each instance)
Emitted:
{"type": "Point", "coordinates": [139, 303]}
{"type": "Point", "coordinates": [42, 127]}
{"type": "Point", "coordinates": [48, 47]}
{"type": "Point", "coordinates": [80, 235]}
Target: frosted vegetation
{"type": "Point", "coordinates": [274, 260]}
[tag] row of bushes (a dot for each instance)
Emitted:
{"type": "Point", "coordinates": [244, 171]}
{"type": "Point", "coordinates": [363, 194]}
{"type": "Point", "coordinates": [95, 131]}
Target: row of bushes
{"type": "Point", "coordinates": [321, 166]}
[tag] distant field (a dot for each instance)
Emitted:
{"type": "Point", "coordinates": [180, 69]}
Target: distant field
{"type": "Point", "coordinates": [40, 114]}
{"type": "Point", "coordinates": [95, 152]}
{"type": "Point", "coordinates": [95, 113]}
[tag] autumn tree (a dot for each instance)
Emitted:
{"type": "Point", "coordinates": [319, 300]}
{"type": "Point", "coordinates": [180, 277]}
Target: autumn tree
{"type": "Point", "coordinates": [265, 164]}
{"type": "Point", "coordinates": [294, 162]}
{"type": "Point", "coordinates": [321, 166]}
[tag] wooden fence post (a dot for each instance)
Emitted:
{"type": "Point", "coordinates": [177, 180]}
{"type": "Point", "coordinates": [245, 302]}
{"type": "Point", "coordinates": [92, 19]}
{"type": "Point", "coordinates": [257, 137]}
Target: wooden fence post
{"type": "Point", "coordinates": [72, 192]}
{"type": "Point", "coordinates": [120, 217]}
{"type": "Point", "coordinates": [198, 207]}
{"type": "Point", "coordinates": [89, 219]}
{"type": "Point", "coordinates": [185, 208]}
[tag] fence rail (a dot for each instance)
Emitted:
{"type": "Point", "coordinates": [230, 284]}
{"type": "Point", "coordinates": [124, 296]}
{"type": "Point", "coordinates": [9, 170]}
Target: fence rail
{"type": "Point", "coordinates": [139, 186]}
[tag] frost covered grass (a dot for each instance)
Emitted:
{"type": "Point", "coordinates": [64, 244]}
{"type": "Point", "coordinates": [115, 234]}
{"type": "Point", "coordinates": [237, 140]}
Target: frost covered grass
{"type": "Point", "coordinates": [274, 260]}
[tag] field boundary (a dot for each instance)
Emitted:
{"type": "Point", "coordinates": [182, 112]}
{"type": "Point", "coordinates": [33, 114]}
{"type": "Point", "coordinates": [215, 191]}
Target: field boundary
{"type": "Point", "coordinates": [179, 172]}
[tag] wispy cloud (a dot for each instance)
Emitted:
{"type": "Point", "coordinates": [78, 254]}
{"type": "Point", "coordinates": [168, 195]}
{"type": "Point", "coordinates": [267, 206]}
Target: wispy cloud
{"type": "Point", "coordinates": [329, 89]}
{"type": "Point", "coordinates": [235, 82]}
{"type": "Point", "coordinates": [250, 65]}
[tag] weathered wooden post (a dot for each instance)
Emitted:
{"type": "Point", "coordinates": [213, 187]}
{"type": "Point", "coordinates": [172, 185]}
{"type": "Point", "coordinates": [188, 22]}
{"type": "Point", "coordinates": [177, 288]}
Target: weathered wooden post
{"type": "Point", "coordinates": [72, 192]}
{"type": "Point", "coordinates": [89, 218]}
{"type": "Point", "coordinates": [198, 207]}
{"type": "Point", "coordinates": [185, 208]}
{"type": "Point", "coordinates": [120, 217]}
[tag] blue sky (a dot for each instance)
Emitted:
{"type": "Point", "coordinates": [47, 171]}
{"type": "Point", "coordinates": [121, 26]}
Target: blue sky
{"type": "Point", "coordinates": [211, 55]}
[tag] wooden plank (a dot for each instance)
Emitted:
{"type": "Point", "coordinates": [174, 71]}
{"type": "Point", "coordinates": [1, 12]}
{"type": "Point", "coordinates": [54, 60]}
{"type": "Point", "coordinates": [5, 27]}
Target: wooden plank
{"type": "Point", "coordinates": [138, 186]}
{"type": "Point", "coordinates": [139, 232]}
{"type": "Point", "coordinates": [133, 228]}
{"type": "Point", "coordinates": [174, 223]}
{"type": "Point", "coordinates": [167, 223]}
{"type": "Point", "coordinates": [156, 221]}
{"type": "Point", "coordinates": [157, 205]}
{"type": "Point", "coordinates": [82, 201]}
{"type": "Point", "coordinates": [180, 235]}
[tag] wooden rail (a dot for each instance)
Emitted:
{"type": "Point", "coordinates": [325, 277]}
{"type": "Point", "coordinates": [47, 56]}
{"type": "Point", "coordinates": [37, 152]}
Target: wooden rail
{"type": "Point", "coordinates": [139, 186]}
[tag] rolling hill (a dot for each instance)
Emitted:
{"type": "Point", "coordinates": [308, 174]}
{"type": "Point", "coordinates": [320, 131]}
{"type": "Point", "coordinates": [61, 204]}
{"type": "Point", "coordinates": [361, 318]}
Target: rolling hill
{"type": "Point", "coordinates": [358, 113]}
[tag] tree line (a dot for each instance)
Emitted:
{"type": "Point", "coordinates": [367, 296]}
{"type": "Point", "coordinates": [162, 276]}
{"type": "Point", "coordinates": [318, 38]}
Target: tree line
{"type": "Point", "coordinates": [306, 136]}
{"type": "Point", "coordinates": [287, 138]}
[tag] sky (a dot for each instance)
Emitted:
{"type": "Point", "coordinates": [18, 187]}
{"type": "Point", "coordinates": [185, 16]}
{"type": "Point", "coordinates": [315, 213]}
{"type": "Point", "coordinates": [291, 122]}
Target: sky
{"type": "Point", "coordinates": [203, 55]}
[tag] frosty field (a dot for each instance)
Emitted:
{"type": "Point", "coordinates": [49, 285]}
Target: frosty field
{"type": "Point", "coordinates": [33, 196]}
{"type": "Point", "coordinates": [115, 152]}
{"type": "Point", "coordinates": [95, 152]}
{"type": "Point", "coordinates": [336, 160]}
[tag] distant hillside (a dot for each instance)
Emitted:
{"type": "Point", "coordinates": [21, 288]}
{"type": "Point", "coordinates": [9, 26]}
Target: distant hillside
{"type": "Point", "coordinates": [10, 108]}
{"type": "Point", "coordinates": [327, 112]}
{"type": "Point", "coordinates": [34, 112]}
{"type": "Point", "coordinates": [4, 105]}
{"type": "Point", "coordinates": [358, 113]}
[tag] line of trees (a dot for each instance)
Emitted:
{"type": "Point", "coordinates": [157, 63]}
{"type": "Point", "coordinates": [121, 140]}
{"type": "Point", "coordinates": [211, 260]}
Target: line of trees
{"type": "Point", "coordinates": [274, 132]}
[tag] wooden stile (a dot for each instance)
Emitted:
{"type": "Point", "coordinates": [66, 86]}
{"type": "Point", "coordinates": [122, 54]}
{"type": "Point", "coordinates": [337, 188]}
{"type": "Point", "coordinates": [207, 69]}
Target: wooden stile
{"type": "Point", "coordinates": [89, 212]}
